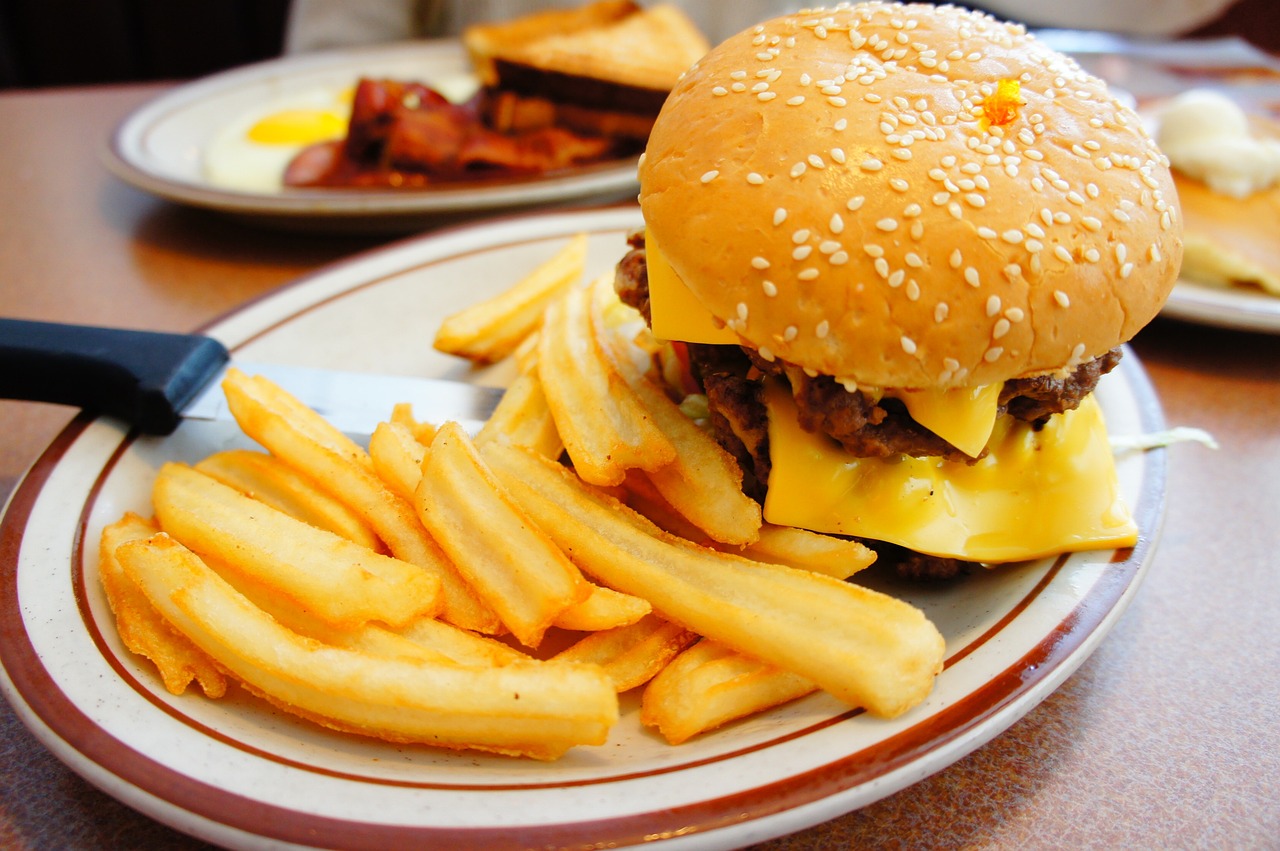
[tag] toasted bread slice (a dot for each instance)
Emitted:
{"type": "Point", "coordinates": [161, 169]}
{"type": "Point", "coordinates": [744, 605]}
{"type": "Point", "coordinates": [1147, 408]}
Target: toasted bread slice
{"type": "Point", "coordinates": [603, 69]}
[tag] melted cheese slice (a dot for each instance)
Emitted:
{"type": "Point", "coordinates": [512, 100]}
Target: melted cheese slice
{"type": "Point", "coordinates": [1036, 493]}
{"type": "Point", "coordinates": [675, 312]}
{"type": "Point", "coordinates": [963, 417]}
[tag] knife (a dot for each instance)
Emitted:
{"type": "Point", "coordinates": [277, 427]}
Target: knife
{"type": "Point", "coordinates": [154, 380]}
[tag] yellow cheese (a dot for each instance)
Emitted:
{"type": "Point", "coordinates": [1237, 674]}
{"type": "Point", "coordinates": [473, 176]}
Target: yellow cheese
{"type": "Point", "coordinates": [1035, 493]}
{"type": "Point", "coordinates": [963, 416]}
{"type": "Point", "coordinates": [676, 313]}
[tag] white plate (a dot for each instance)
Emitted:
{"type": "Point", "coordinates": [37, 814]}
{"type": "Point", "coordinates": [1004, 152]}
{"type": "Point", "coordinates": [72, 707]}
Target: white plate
{"type": "Point", "coordinates": [159, 147]}
{"type": "Point", "coordinates": [1226, 307]}
{"type": "Point", "coordinates": [239, 773]}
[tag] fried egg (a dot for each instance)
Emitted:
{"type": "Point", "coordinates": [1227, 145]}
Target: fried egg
{"type": "Point", "coordinates": [250, 154]}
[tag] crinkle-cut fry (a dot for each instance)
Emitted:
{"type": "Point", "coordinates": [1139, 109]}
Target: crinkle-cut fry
{"type": "Point", "coordinates": [523, 418]}
{"type": "Point", "coordinates": [339, 581]}
{"type": "Point", "coordinates": [142, 629]}
{"type": "Point", "coordinates": [490, 330]}
{"type": "Point", "coordinates": [710, 685]}
{"type": "Point", "coordinates": [402, 413]}
{"type": "Point", "coordinates": [511, 563]}
{"type": "Point", "coordinates": [605, 429]}
{"type": "Point", "coordinates": [839, 558]}
{"type": "Point", "coordinates": [534, 709]}
{"type": "Point", "coordinates": [288, 429]}
{"type": "Point", "coordinates": [703, 482]}
{"type": "Point", "coordinates": [604, 608]}
{"type": "Point", "coordinates": [397, 457]}
{"type": "Point", "coordinates": [268, 479]}
{"type": "Point", "coordinates": [866, 648]}
{"type": "Point", "coordinates": [631, 655]}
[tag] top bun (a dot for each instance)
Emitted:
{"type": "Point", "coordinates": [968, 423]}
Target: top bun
{"type": "Point", "coordinates": [910, 196]}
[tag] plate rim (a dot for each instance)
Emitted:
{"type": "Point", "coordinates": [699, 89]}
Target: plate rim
{"type": "Point", "coordinates": [772, 816]}
{"type": "Point", "coordinates": [598, 179]}
{"type": "Point", "coordinates": [1223, 307]}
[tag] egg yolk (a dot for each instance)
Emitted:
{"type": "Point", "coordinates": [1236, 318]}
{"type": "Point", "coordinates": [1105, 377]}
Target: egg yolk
{"type": "Point", "coordinates": [298, 127]}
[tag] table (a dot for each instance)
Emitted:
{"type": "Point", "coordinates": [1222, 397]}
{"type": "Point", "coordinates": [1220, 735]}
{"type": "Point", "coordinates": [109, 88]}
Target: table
{"type": "Point", "coordinates": [1167, 736]}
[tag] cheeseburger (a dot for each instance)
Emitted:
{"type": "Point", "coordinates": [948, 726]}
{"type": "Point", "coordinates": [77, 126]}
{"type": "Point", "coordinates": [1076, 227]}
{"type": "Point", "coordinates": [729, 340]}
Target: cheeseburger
{"type": "Point", "coordinates": [900, 245]}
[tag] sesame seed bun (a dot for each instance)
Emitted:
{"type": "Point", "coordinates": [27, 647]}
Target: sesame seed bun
{"type": "Point", "coordinates": [857, 192]}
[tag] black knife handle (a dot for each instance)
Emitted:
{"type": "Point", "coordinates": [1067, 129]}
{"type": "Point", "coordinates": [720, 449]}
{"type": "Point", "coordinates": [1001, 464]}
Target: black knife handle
{"type": "Point", "coordinates": [144, 377]}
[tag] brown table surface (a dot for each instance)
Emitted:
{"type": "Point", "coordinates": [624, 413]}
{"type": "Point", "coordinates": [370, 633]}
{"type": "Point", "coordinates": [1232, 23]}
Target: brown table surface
{"type": "Point", "coordinates": [1166, 737]}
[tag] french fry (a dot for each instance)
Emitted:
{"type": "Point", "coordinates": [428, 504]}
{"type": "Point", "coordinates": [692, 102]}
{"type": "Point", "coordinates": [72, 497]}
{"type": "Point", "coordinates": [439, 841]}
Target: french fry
{"type": "Point", "coordinates": [866, 648]}
{"type": "Point", "coordinates": [490, 330]}
{"type": "Point", "coordinates": [839, 558]}
{"type": "Point", "coordinates": [710, 685]}
{"type": "Point", "coordinates": [633, 654]}
{"type": "Point", "coordinates": [523, 418]}
{"type": "Point", "coordinates": [340, 582]}
{"type": "Point", "coordinates": [397, 457]}
{"type": "Point", "coordinates": [268, 479]}
{"type": "Point", "coordinates": [605, 429]}
{"type": "Point", "coordinates": [402, 414]}
{"type": "Point", "coordinates": [142, 629]}
{"type": "Point", "coordinates": [604, 608]}
{"type": "Point", "coordinates": [531, 709]}
{"type": "Point", "coordinates": [300, 437]}
{"type": "Point", "coordinates": [511, 563]}
{"type": "Point", "coordinates": [703, 482]}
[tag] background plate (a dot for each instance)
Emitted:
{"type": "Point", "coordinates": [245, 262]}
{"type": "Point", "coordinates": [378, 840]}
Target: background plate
{"type": "Point", "coordinates": [1226, 307]}
{"type": "Point", "coordinates": [159, 147]}
{"type": "Point", "coordinates": [241, 774]}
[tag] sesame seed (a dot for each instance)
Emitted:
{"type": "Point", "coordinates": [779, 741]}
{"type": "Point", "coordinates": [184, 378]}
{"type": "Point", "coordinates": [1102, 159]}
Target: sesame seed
{"type": "Point", "coordinates": [770, 288]}
{"type": "Point", "coordinates": [766, 96]}
{"type": "Point", "coordinates": [987, 233]}
{"type": "Point", "coordinates": [1122, 252]}
{"type": "Point", "coordinates": [839, 258]}
{"type": "Point", "coordinates": [993, 305]}
{"type": "Point", "coordinates": [1126, 270]}
{"type": "Point", "coordinates": [766, 353]}
{"type": "Point", "coordinates": [1062, 253]}
{"type": "Point", "coordinates": [840, 125]}
{"type": "Point", "coordinates": [895, 280]}
{"type": "Point", "coordinates": [940, 311]}
{"type": "Point", "coordinates": [971, 276]}
{"type": "Point", "coordinates": [882, 267]}
{"type": "Point", "coordinates": [1061, 298]}
{"type": "Point", "coordinates": [975, 200]}
{"type": "Point", "coordinates": [836, 224]}
{"type": "Point", "coordinates": [807, 274]}
{"type": "Point", "coordinates": [1015, 314]}
{"type": "Point", "coordinates": [956, 259]}
{"type": "Point", "coordinates": [790, 332]}
{"type": "Point", "coordinates": [719, 91]}
{"type": "Point", "coordinates": [822, 329]}
{"type": "Point", "coordinates": [837, 154]}
{"type": "Point", "coordinates": [913, 260]}
{"type": "Point", "coordinates": [709, 176]}
{"type": "Point", "coordinates": [800, 235]}
{"type": "Point", "coordinates": [739, 87]}
{"type": "Point", "coordinates": [829, 247]}
{"type": "Point", "coordinates": [759, 263]}
{"type": "Point", "coordinates": [887, 225]}
{"type": "Point", "coordinates": [901, 154]}
{"type": "Point", "coordinates": [873, 250]}
{"type": "Point", "coordinates": [908, 345]}
{"type": "Point", "coordinates": [795, 101]}
{"type": "Point", "coordinates": [802, 252]}
{"type": "Point", "coordinates": [854, 203]}
{"type": "Point", "coordinates": [742, 311]}
{"type": "Point", "coordinates": [1001, 328]}
{"type": "Point", "coordinates": [1012, 236]}
{"type": "Point", "coordinates": [1092, 255]}
{"type": "Point", "coordinates": [993, 354]}
{"type": "Point", "coordinates": [1153, 253]}
{"type": "Point", "coordinates": [899, 184]}
{"type": "Point", "coordinates": [755, 179]}
{"type": "Point", "coordinates": [871, 164]}
{"type": "Point", "coordinates": [798, 169]}
{"type": "Point", "coordinates": [816, 161]}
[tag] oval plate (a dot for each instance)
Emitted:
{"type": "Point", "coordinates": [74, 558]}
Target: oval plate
{"type": "Point", "coordinates": [239, 773]}
{"type": "Point", "coordinates": [1237, 308]}
{"type": "Point", "coordinates": [160, 146]}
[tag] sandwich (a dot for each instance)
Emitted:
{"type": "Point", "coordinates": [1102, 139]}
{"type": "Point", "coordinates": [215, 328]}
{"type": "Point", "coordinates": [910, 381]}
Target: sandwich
{"type": "Point", "coordinates": [898, 246]}
{"type": "Point", "coordinates": [604, 68]}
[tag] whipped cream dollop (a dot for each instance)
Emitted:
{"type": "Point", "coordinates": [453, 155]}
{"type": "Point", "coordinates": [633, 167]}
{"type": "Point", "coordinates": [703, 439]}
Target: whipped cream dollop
{"type": "Point", "coordinates": [1206, 136]}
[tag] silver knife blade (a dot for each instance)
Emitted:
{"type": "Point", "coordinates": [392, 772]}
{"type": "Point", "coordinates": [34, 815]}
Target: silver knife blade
{"type": "Point", "coordinates": [153, 380]}
{"type": "Point", "coordinates": [356, 402]}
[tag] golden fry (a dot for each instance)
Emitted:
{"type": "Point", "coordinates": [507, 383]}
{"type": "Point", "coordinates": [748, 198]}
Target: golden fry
{"type": "Point", "coordinates": [604, 608]}
{"type": "Point", "coordinates": [866, 648]}
{"type": "Point", "coordinates": [523, 418]}
{"type": "Point", "coordinates": [300, 437]}
{"type": "Point", "coordinates": [340, 582]}
{"type": "Point", "coordinates": [268, 479]}
{"type": "Point", "coordinates": [397, 457]}
{"type": "Point", "coordinates": [141, 627]}
{"type": "Point", "coordinates": [490, 330]}
{"type": "Point", "coordinates": [631, 655]}
{"type": "Point", "coordinates": [710, 685]}
{"type": "Point", "coordinates": [839, 558]}
{"type": "Point", "coordinates": [605, 429]}
{"type": "Point", "coordinates": [530, 709]}
{"type": "Point", "coordinates": [511, 563]}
